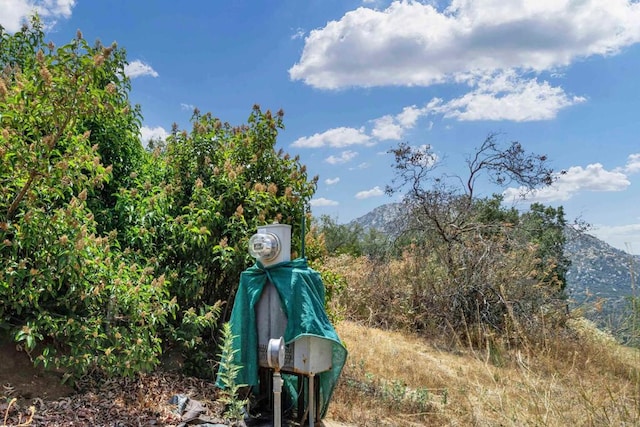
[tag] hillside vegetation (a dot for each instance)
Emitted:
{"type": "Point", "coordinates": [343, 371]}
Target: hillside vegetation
{"type": "Point", "coordinates": [115, 255]}
{"type": "Point", "coordinates": [568, 374]}
{"type": "Point", "coordinates": [112, 253]}
{"type": "Point", "coordinates": [400, 379]}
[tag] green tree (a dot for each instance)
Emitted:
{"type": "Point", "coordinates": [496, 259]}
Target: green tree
{"type": "Point", "coordinates": [341, 238]}
{"type": "Point", "coordinates": [106, 249]}
{"type": "Point", "coordinates": [199, 198]}
{"type": "Point", "coordinates": [63, 283]}
{"type": "Point", "coordinates": [471, 237]}
{"type": "Point", "coordinates": [195, 205]}
{"type": "Point", "coordinates": [544, 226]}
{"type": "Point", "coordinates": [444, 204]}
{"type": "Point", "coordinates": [376, 244]}
{"type": "Point", "coordinates": [351, 239]}
{"type": "Point", "coordinates": [115, 130]}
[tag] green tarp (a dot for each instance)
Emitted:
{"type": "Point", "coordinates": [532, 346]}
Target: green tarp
{"type": "Point", "coordinates": [302, 296]}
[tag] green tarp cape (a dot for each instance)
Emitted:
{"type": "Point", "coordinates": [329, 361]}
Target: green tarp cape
{"type": "Point", "coordinates": [302, 296]}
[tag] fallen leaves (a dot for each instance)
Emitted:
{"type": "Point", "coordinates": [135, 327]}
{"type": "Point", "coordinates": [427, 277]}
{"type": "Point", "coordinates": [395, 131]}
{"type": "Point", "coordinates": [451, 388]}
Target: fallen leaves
{"type": "Point", "coordinates": [112, 402]}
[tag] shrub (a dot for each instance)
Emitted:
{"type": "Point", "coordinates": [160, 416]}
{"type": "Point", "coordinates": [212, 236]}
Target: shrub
{"type": "Point", "coordinates": [496, 296]}
{"type": "Point", "coordinates": [67, 291]}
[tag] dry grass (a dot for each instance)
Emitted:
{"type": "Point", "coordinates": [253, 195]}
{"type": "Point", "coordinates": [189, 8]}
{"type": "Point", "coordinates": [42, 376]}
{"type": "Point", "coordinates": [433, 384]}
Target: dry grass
{"type": "Point", "coordinates": [396, 379]}
{"type": "Point", "coordinates": [429, 372]}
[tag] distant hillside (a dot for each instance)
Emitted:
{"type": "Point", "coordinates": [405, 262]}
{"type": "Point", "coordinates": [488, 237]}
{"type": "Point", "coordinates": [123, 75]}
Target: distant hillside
{"type": "Point", "coordinates": [599, 280]}
{"type": "Point", "coordinates": [386, 219]}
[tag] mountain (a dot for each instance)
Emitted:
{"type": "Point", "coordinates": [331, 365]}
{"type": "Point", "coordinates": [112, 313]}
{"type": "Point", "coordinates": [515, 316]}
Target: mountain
{"type": "Point", "coordinates": [385, 219]}
{"type": "Point", "coordinates": [599, 280]}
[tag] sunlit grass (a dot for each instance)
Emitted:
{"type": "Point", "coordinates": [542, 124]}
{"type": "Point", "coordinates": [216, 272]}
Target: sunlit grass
{"type": "Point", "coordinates": [394, 378]}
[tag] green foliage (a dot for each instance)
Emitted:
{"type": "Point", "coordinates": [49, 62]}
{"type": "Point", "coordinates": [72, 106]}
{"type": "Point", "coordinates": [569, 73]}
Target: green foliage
{"type": "Point", "coordinates": [629, 332]}
{"type": "Point", "coordinates": [195, 202]}
{"type": "Point", "coordinates": [376, 244]}
{"type": "Point", "coordinates": [109, 252]}
{"type": "Point", "coordinates": [45, 158]}
{"type": "Point", "coordinates": [315, 245]}
{"type": "Point", "coordinates": [630, 326]}
{"type": "Point", "coordinates": [115, 131]}
{"type": "Point", "coordinates": [490, 211]}
{"type": "Point", "coordinates": [66, 289]}
{"type": "Point", "coordinates": [544, 227]}
{"type": "Point", "coordinates": [334, 284]}
{"type": "Point", "coordinates": [341, 238]}
{"type": "Point", "coordinates": [394, 394]}
{"type": "Point", "coordinates": [88, 306]}
{"type": "Point", "coordinates": [193, 325]}
{"type": "Point", "coordinates": [227, 374]}
{"type": "Point", "coordinates": [194, 336]}
{"type": "Point", "coordinates": [351, 239]}
{"type": "Point", "coordinates": [194, 208]}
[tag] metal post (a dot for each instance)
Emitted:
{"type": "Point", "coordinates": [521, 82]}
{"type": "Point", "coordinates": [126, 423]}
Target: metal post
{"type": "Point", "coordinates": [312, 401]}
{"type": "Point", "coordinates": [277, 399]}
{"type": "Point", "coordinates": [304, 232]}
{"type": "Point", "coordinates": [275, 359]}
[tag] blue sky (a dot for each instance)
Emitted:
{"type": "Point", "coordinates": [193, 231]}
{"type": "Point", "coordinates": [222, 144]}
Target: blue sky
{"type": "Point", "coordinates": [355, 78]}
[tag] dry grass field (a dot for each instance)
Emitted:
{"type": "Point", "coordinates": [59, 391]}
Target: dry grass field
{"type": "Point", "coordinates": [396, 379]}
{"type": "Point", "coordinates": [570, 374]}
{"type": "Point", "coordinates": [399, 379]}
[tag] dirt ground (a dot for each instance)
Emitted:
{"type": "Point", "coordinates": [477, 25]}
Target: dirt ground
{"type": "Point", "coordinates": [30, 396]}
{"type": "Point", "coordinates": [42, 400]}
{"type": "Point", "coordinates": [20, 379]}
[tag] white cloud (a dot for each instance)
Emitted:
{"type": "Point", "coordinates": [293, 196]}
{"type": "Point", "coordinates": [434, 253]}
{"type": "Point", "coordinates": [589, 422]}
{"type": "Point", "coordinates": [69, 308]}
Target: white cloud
{"type": "Point", "coordinates": [409, 116]}
{"type": "Point", "coordinates": [332, 181]}
{"type": "Point", "coordinates": [337, 137]}
{"type": "Point", "coordinates": [374, 192]}
{"type": "Point", "coordinates": [385, 128]}
{"type": "Point", "coordinates": [321, 201]}
{"type": "Point", "coordinates": [61, 8]}
{"type": "Point", "coordinates": [138, 68]}
{"type": "Point", "coordinates": [388, 127]}
{"type": "Point", "coordinates": [361, 166]}
{"type": "Point", "coordinates": [344, 157]}
{"type": "Point", "coordinates": [576, 179]}
{"type": "Point", "coordinates": [15, 12]}
{"type": "Point", "coordinates": [187, 107]}
{"type": "Point", "coordinates": [147, 134]}
{"type": "Point", "coordinates": [394, 127]}
{"type": "Point", "coordinates": [633, 164]}
{"type": "Point", "coordinates": [502, 96]}
{"type": "Point", "coordinates": [507, 97]}
{"type": "Point", "coordinates": [412, 43]}
{"type": "Point", "coordinates": [623, 237]}
{"type": "Point", "coordinates": [298, 34]}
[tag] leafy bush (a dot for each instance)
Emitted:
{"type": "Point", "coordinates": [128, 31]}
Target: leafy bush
{"type": "Point", "coordinates": [67, 291]}
{"type": "Point", "coordinates": [193, 209]}
{"type": "Point", "coordinates": [316, 253]}
{"type": "Point", "coordinates": [497, 295]}
{"type": "Point", "coordinates": [88, 306]}
{"type": "Point", "coordinates": [194, 203]}
{"type": "Point", "coordinates": [109, 252]}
